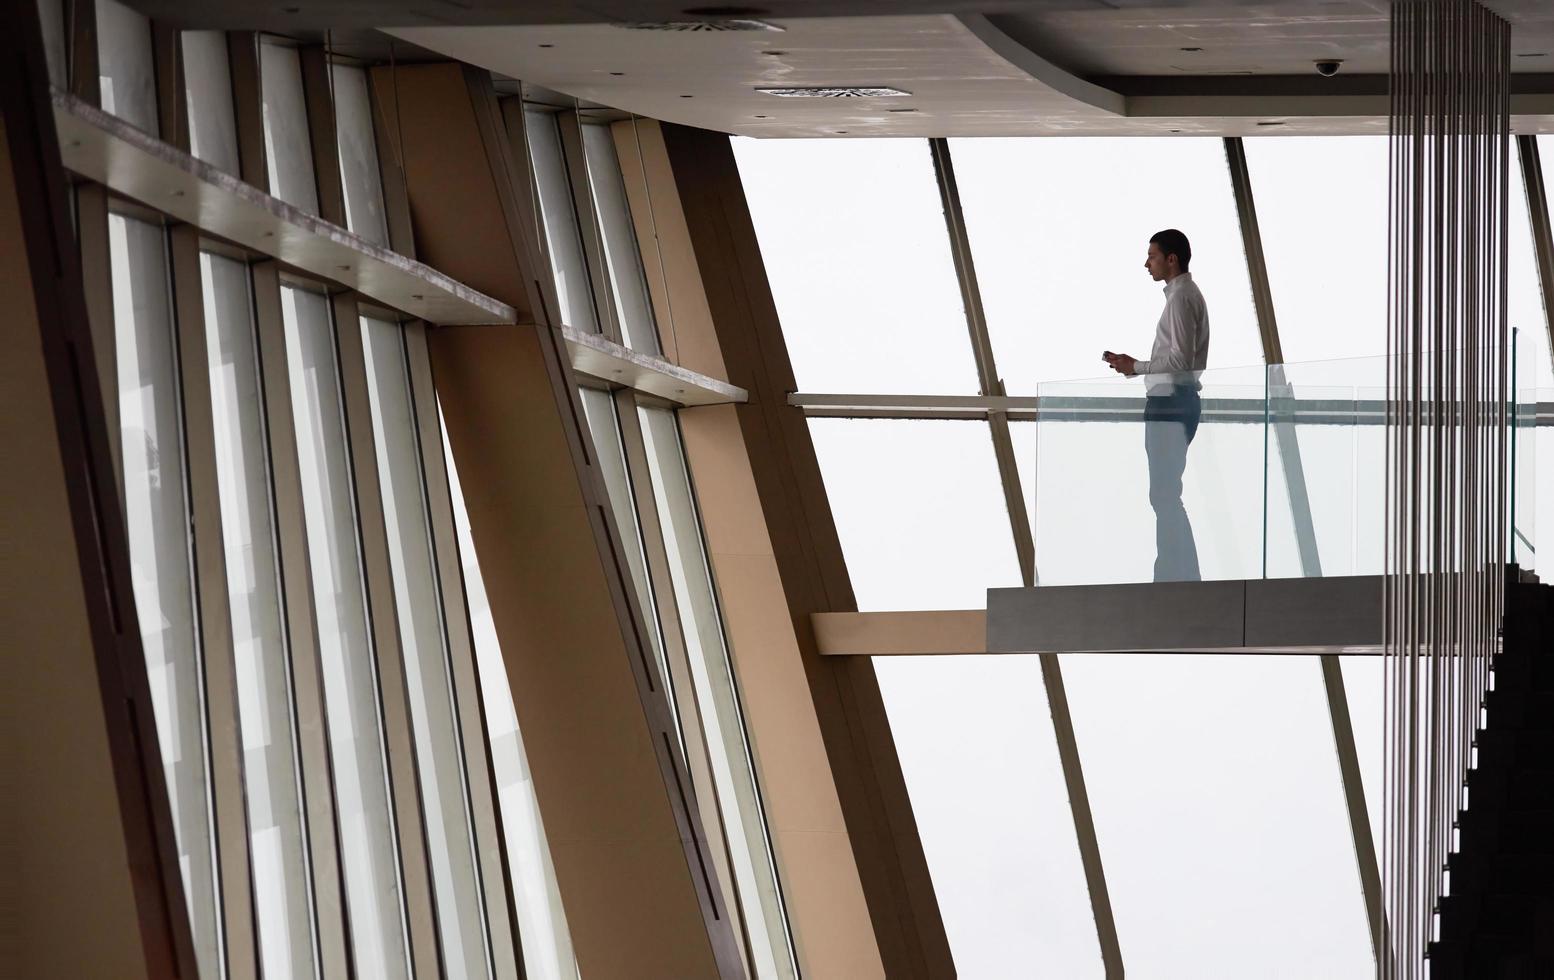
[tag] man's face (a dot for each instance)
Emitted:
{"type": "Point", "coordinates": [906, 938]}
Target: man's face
{"type": "Point", "coordinates": [1157, 263]}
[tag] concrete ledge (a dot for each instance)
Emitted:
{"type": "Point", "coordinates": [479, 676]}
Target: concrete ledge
{"type": "Point", "coordinates": [106, 149]}
{"type": "Point", "coordinates": [599, 357]}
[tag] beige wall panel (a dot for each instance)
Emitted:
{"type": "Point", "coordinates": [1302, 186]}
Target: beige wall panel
{"type": "Point", "coordinates": [834, 920]}
{"type": "Point", "coordinates": [720, 258]}
{"type": "Point", "coordinates": [825, 898]}
{"type": "Point", "coordinates": [67, 880]}
{"type": "Point", "coordinates": [458, 229]}
{"type": "Point", "coordinates": [684, 319]}
{"type": "Point", "coordinates": [631, 887]}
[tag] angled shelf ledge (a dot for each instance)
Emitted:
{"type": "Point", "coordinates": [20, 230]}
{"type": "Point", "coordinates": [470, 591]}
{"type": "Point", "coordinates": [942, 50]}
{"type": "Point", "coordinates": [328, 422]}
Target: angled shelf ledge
{"type": "Point", "coordinates": [106, 149]}
{"type": "Point", "coordinates": [599, 357]}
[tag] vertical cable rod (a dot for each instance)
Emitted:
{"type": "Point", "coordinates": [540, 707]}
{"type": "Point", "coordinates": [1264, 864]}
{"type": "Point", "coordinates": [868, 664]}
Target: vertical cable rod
{"type": "Point", "coordinates": [1446, 442]}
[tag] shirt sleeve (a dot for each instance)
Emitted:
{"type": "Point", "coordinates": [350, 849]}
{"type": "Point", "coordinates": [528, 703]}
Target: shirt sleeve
{"type": "Point", "coordinates": [1174, 341]}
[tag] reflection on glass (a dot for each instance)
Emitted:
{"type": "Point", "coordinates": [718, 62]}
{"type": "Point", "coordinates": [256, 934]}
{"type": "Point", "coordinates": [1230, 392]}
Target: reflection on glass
{"type": "Point", "coordinates": [125, 65]}
{"type": "Point", "coordinates": [1059, 229]}
{"type": "Point", "coordinates": [367, 845]}
{"type": "Point", "coordinates": [975, 739]}
{"type": "Point", "coordinates": [712, 675]}
{"type": "Point", "coordinates": [212, 126]}
{"type": "Point", "coordinates": [288, 152]}
{"type": "Point", "coordinates": [428, 676]}
{"type": "Point", "coordinates": [272, 791]}
{"type": "Point", "coordinates": [573, 291]}
{"type": "Point", "coordinates": [919, 509]}
{"type": "Point", "coordinates": [853, 237]}
{"type": "Point", "coordinates": [1088, 475]}
{"type": "Point", "coordinates": [358, 154]}
{"type": "Point", "coordinates": [156, 511]}
{"type": "Point", "coordinates": [542, 924]}
{"type": "Point", "coordinates": [1220, 814]}
{"type": "Point", "coordinates": [620, 240]}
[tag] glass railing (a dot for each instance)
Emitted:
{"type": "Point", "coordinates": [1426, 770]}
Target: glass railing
{"type": "Point", "coordinates": [1283, 476]}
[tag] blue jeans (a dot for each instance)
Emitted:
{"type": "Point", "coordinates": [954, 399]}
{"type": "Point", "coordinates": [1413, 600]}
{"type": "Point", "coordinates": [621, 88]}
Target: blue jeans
{"type": "Point", "coordinates": [1170, 422]}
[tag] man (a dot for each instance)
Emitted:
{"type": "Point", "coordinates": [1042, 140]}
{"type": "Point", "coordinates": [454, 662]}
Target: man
{"type": "Point", "coordinates": [1171, 403]}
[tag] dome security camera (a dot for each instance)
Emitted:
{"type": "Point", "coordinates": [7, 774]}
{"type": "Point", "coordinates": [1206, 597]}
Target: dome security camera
{"type": "Point", "coordinates": [1327, 68]}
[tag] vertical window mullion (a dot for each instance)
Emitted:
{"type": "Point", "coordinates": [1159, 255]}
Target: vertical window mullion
{"type": "Point", "coordinates": [225, 777]}
{"type": "Point", "coordinates": [354, 697]}
{"type": "Point", "coordinates": [301, 638]}
{"type": "Point", "coordinates": [676, 657]}
{"type": "Point", "coordinates": [558, 215]}
{"type": "Point", "coordinates": [286, 935]}
{"type": "Point", "coordinates": [474, 733]}
{"type": "Point", "coordinates": [623, 270]}
{"type": "Point", "coordinates": [154, 487]}
{"type": "Point", "coordinates": [432, 704]}
{"type": "Point", "coordinates": [388, 646]}
{"type": "Point", "coordinates": [755, 874]}
{"type": "Point", "coordinates": [576, 158]}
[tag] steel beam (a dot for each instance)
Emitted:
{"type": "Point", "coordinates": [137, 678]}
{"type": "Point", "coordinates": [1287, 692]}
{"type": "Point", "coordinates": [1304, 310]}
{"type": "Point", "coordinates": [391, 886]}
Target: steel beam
{"type": "Point", "coordinates": [1025, 549]}
{"type": "Point", "coordinates": [1310, 559]}
{"type": "Point", "coordinates": [1542, 236]}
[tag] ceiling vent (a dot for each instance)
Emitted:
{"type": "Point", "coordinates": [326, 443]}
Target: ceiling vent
{"type": "Point", "coordinates": [706, 26]}
{"type": "Point", "coordinates": [837, 92]}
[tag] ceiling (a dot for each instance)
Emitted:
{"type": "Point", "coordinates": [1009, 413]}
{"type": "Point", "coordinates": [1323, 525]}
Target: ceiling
{"type": "Point", "coordinates": [1040, 67]}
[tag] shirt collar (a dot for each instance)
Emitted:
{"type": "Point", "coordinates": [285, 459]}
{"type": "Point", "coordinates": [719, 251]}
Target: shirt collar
{"type": "Point", "coordinates": [1172, 286]}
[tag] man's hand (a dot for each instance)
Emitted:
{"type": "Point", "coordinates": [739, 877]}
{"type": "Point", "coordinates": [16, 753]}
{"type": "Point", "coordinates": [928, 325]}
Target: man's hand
{"type": "Point", "coordinates": [1121, 363]}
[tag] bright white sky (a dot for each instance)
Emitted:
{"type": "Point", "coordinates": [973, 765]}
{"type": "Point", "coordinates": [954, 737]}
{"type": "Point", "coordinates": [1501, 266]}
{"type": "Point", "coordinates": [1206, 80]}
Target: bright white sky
{"type": "Point", "coordinates": [1213, 781]}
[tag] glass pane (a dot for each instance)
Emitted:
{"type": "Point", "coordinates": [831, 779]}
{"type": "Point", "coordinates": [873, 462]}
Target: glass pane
{"type": "Point", "coordinates": [919, 509]}
{"type": "Point", "coordinates": [271, 774]}
{"type": "Point", "coordinates": [542, 923]}
{"type": "Point", "coordinates": [975, 739]}
{"type": "Point", "coordinates": [126, 67]}
{"type": "Point", "coordinates": [1060, 228]}
{"type": "Point", "coordinates": [1220, 814]}
{"type": "Point", "coordinates": [212, 128]}
{"type": "Point", "coordinates": [156, 511]}
{"type": "Point", "coordinates": [627, 284]}
{"type": "Point", "coordinates": [51, 13]}
{"type": "Point", "coordinates": [287, 151]}
{"type": "Point", "coordinates": [1326, 468]}
{"type": "Point", "coordinates": [1327, 251]}
{"type": "Point", "coordinates": [603, 427]}
{"type": "Point", "coordinates": [428, 674]}
{"type": "Point", "coordinates": [1117, 498]}
{"type": "Point", "coordinates": [573, 291]}
{"type": "Point", "coordinates": [853, 237]}
{"type": "Point", "coordinates": [712, 675]}
{"type": "Point", "coordinates": [358, 154]}
{"type": "Point", "coordinates": [369, 851]}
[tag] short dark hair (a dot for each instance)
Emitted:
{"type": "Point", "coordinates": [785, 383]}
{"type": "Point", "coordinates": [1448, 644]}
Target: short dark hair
{"type": "Point", "coordinates": [1173, 242]}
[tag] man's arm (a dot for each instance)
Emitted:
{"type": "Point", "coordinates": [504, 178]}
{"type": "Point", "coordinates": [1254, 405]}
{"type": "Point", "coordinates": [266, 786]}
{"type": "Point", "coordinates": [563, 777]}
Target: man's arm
{"type": "Point", "coordinates": [1176, 335]}
{"type": "Point", "coordinates": [1121, 363]}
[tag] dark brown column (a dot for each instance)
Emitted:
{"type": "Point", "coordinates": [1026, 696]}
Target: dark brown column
{"type": "Point", "coordinates": [86, 823]}
{"type": "Point", "coordinates": [630, 857]}
{"type": "Point", "coordinates": [756, 462]}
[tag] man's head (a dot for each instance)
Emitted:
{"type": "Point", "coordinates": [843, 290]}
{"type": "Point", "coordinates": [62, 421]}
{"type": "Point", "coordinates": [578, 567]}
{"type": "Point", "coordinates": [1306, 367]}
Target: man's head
{"type": "Point", "coordinates": [1169, 254]}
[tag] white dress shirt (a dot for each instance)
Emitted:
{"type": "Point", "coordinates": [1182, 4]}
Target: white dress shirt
{"type": "Point", "coordinates": [1181, 339]}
